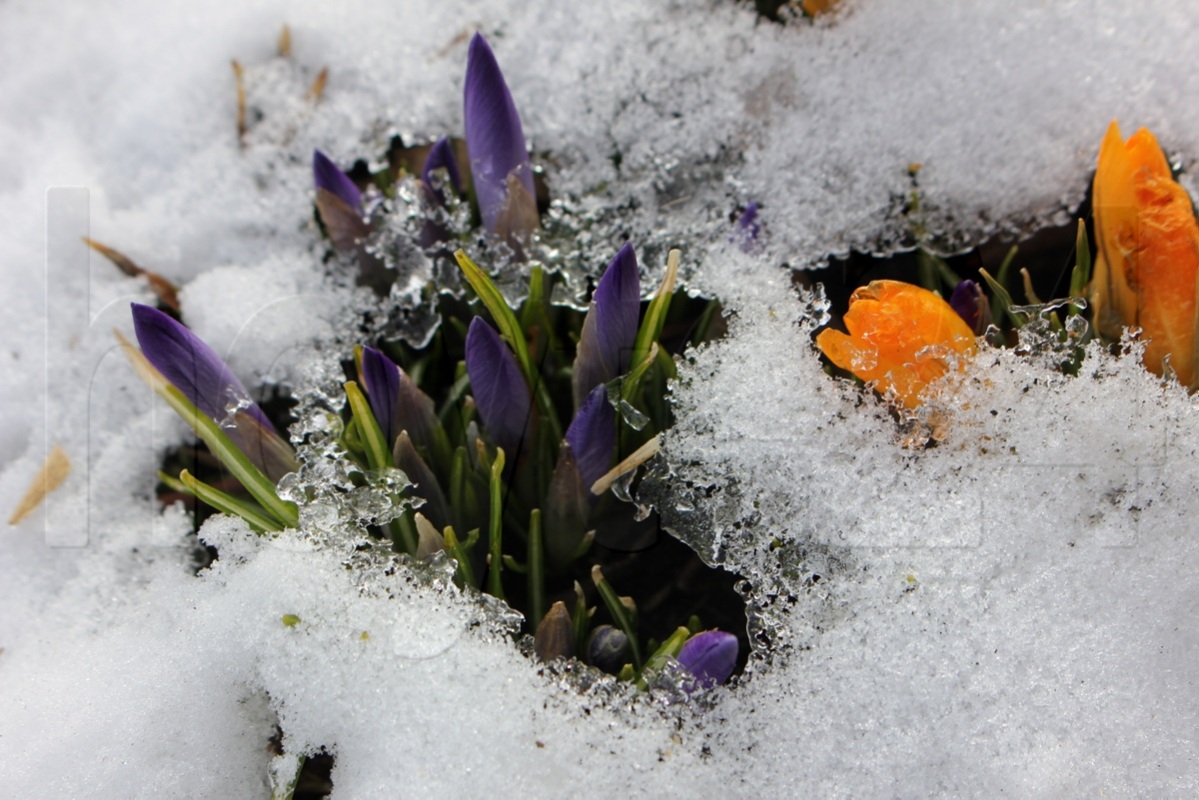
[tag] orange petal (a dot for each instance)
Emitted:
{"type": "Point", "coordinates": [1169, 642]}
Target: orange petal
{"type": "Point", "coordinates": [901, 338]}
{"type": "Point", "coordinates": [1148, 258]}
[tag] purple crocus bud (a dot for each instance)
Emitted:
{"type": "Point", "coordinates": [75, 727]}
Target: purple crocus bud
{"type": "Point", "coordinates": [608, 648]}
{"type": "Point", "coordinates": [499, 163]}
{"type": "Point", "coordinates": [441, 156]}
{"type": "Point", "coordinates": [748, 229]}
{"type": "Point", "coordinates": [567, 508]}
{"type": "Point", "coordinates": [592, 436]}
{"type": "Point", "coordinates": [425, 483]}
{"type": "Point", "coordinates": [501, 394]}
{"type": "Point", "coordinates": [381, 377]}
{"type": "Point", "coordinates": [198, 372]}
{"type": "Point", "coordinates": [610, 327]}
{"type": "Point", "coordinates": [339, 203]}
{"type": "Point", "coordinates": [971, 305]}
{"type": "Point", "coordinates": [328, 176]}
{"type": "Point", "coordinates": [710, 656]}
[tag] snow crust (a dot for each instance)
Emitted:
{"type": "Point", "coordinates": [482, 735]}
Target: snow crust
{"type": "Point", "coordinates": [1011, 611]}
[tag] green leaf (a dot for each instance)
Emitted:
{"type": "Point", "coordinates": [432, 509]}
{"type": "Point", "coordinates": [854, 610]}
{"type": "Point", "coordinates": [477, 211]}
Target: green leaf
{"type": "Point", "coordinates": [464, 574]}
{"type": "Point", "coordinates": [536, 562]}
{"type": "Point", "coordinates": [1002, 300]}
{"type": "Point", "coordinates": [378, 451]}
{"type": "Point", "coordinates": [655, 315]}
{"type": "Point", "coordinates": [669, 649]}
{"type": "Point", "coordinates": [259, 520]}
{"type": "Point", "coordinates": [503, 316]}
{"type": "Point", "coordinates": [618, 611]}
{"type": "Point", "coordinates": [1081, 276]}
{"type": "Point", "coordinates": [495, 586]}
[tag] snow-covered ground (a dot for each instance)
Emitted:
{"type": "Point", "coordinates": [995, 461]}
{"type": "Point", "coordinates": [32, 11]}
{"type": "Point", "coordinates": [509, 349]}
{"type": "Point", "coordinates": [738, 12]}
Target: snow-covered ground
{"type": "Point", "coordinates": [1011, 612]}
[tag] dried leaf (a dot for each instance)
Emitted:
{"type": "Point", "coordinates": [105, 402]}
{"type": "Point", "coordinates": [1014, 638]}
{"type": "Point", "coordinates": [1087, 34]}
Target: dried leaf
{"type": "Point", "coordinates": [317, 90]}
{"type": "Point", "coordinates": [239, 76]}
{"type": "Point", "coordinates": [166, 292]}
{"type": "Point", "coordinates": [284, 46]}
{"type": "Point", "coordinates": [51, 476]}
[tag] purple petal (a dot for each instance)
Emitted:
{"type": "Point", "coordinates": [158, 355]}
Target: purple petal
{"type": "Point", "coordinates": [495, 141]}
{"type": "Point", "coordinates": [971, 305]}
{"type": "Point", "coordinates": [441, 156]}
{"type": "Point", "coordinates": [198, 372]}
{"type": "Point", "coordinates": [381, 377]}
{"type": "Point", "coordinates": [610, 327]}
{"type": "Point", "coordinates": [500, 392]}
{"type": "Point", "coordinates": [328, 176]}
{"type": "Point", "coordinates": [748, 229]}
{"type": "Point", "coordinates": [191, 365]}
{"type": "Point", "coordinates": [592, 436]}
{"type": "Point", "coordinates": [710, 656]}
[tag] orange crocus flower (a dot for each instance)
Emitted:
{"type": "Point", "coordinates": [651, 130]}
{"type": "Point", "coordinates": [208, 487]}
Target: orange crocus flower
{"type": "Point", "coordinates": [1148, 256]}
{"type": "Point", "coordinates": [901, 338]}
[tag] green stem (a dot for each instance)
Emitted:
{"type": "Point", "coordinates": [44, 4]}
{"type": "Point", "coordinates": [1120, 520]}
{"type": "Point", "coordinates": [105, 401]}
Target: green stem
{"type": "Point", "coordinates": [536, 564]}
{"type": "Point", "coordinates": [619, 613]}
{"type": "Point", "coordinates": [378, 451]}
{"type": "Point", "coordinates": [495, 586]}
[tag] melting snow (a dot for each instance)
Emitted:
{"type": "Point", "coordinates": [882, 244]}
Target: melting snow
{"type": "Point", "coordinates": [1012, 611]}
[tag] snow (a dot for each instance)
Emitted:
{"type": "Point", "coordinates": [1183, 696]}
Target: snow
{"type": "Point", "coordinates": [1011, 611]}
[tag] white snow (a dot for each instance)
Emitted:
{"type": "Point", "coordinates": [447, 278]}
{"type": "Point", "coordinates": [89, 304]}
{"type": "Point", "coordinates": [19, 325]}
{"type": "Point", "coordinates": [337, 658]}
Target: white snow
{"type": "Point", "coordinates": [1010, 612]}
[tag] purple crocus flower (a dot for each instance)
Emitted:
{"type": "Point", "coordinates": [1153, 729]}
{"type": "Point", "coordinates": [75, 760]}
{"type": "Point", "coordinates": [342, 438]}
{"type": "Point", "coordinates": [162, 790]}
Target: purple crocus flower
{"type": "Point", "coordinates": [328, 176]}
{"type": "Point", "coordinates": [499, 388]}
{"type": "Point", "coordinates": [381, 377]}
{"type": "Point", "coordinates": [499, 162]}
{"type": "Point", "coordinates": [592, 436]}
{"type": "Point", "coordinates": [339, 203]}
{"type": "Point", "coordinates": [710, 656]}
{"type": "Point", "coordinates": [748, 229]}
{"type": "Point", "coordinates": [441, 156]}
{"type": "Point", "coordinates": [198, 372]}
{"type": "Point", "coordinates": [971, 305]}
{"type": "Point", "coordinates": [610, 327]}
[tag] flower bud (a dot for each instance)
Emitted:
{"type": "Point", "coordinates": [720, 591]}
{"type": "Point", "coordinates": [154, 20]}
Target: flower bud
{"type": "Point", "coordinates": [608, 649]}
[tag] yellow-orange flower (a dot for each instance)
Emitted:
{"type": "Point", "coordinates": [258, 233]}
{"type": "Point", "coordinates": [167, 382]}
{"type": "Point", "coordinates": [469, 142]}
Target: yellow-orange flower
{"type": "Point", "coordinates": [901, 338]}
{"type": "Point", "coordinates": [1148, 256]}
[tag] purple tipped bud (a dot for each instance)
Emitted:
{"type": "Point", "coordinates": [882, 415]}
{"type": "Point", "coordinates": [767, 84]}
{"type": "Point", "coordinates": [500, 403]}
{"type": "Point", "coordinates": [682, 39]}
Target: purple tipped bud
{"type": "Point", "coordinates": [610, 327]}
{"type": "Point", "coordinates": [441, 156]}
{"type": "Point", "coordinates": [381, 377]}
{"type": "Point", "coordinates": [608, 649]}
{"type": "Point", "coordinates": [198, 372]}
{"type": "Point", "coordinates": [499, 163]}
{"type": "Point", "coordinates": [748, 229]}
{"type": "Point", "coordinates": [710, 656]}
{"type": "Point", "coordinates": [501, 394]}
{"type": "Point", "coordinates": [328, 176]}
{"type": "Point", "coordinates": [971, 305]}
{"type": "Point", "coordinates": [592, 436]}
